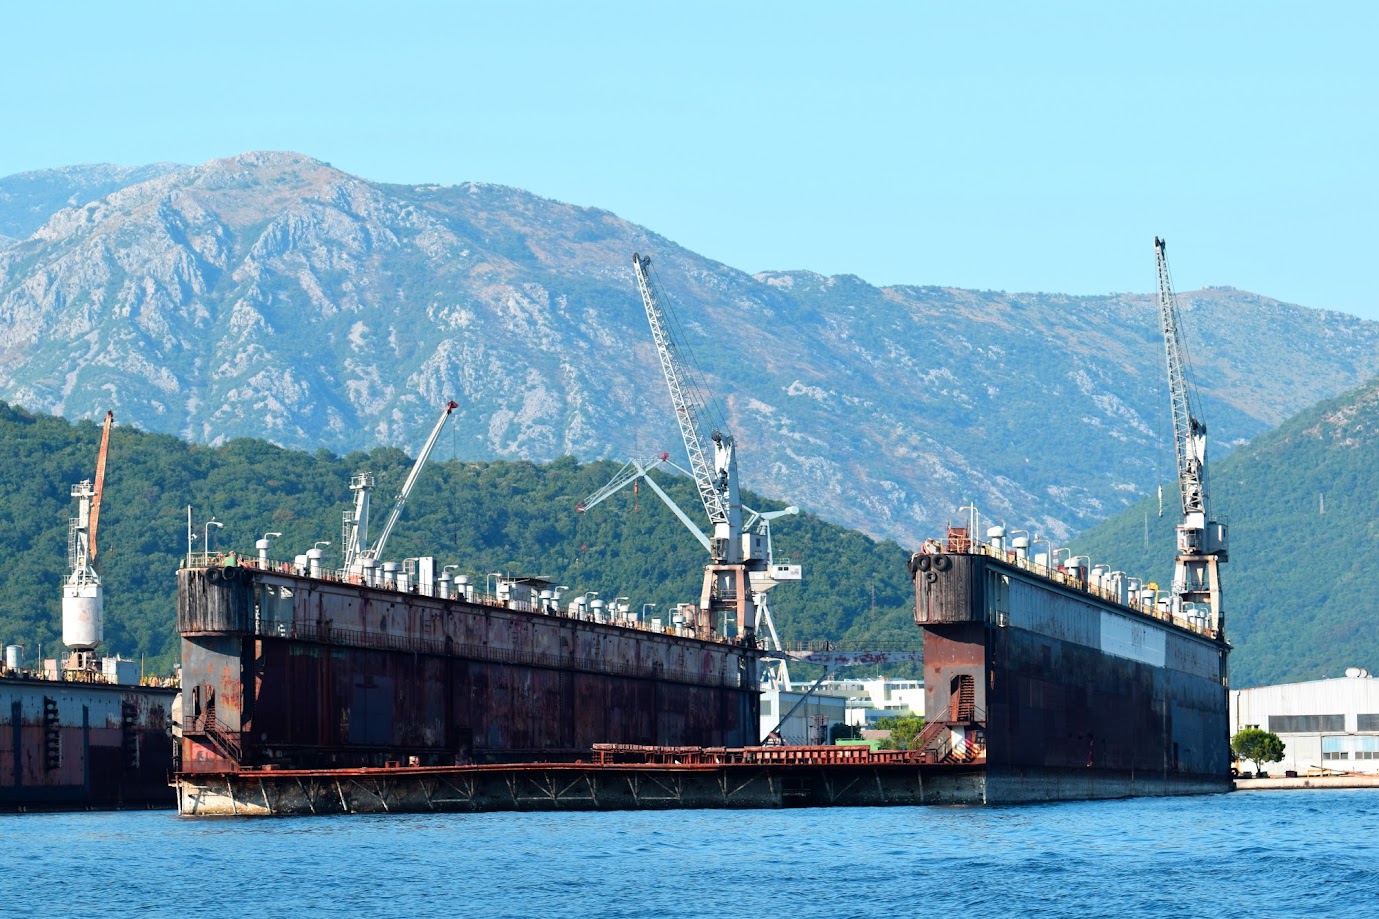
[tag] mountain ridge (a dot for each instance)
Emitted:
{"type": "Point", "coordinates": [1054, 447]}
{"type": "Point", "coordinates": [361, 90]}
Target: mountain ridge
{"type": "Point", "coordinates": [272, 295]}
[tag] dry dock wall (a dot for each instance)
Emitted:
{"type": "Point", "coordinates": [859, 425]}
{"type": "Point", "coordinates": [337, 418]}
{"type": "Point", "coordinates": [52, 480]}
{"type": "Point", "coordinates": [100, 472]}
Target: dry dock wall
{"type": "Point", "coordinates": [298, 672]}
{"type": "Point", "coordinates": [69, 745]}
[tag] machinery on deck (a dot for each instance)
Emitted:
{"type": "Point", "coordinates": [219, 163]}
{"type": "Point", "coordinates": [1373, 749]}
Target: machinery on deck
{"type": "Point", "coordinates": [360, 556]}
{"type": "Point", "coordinates": [1202, 541]}
{"type": "Point", "coordinates": [762, 577]}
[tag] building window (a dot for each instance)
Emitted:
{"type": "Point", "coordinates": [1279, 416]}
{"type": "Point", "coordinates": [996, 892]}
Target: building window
{"type": "Point", "coordinates": [1364, 722]}
{"type": "Point", "coordinates": [1305, 724]}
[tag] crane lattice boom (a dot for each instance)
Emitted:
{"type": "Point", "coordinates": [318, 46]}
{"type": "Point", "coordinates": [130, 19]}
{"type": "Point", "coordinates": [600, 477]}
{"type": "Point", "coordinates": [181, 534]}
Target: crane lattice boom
{"type": "Point", "coordinates": [687, 406]}
{"type": "Point", "coordinates": [1189, 433]}
{"type": "Point", "coordinates": [98, 489]}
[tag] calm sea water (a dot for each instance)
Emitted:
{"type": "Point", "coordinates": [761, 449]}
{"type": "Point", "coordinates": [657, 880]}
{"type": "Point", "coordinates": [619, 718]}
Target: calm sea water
{"type": "Point", "coordinates": [1249, 854]}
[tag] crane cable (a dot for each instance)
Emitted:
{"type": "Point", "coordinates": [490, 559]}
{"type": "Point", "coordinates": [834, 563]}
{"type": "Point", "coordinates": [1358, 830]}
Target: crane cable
{"type": "Point", "coordinates": [706, 407]}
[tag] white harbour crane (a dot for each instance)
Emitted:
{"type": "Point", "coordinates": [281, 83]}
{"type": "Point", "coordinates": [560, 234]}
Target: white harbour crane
{"type": "Point", "coordinates": [739, 570]}
{"type": "Point", "coordinates": [1202, 541]}
{"type": "Point", "coordinates": [361, 556]}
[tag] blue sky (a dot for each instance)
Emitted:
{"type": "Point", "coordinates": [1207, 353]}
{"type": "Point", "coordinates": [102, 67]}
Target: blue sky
{"type": "Point", "coordinates": [1016, 146]}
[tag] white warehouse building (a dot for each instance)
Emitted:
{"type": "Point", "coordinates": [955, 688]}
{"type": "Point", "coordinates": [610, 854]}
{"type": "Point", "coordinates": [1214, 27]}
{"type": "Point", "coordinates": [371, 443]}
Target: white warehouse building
{"type": "Point", "coordinates": [1324, 724]}
{"type": "Point", "coordinates": [801, 717]}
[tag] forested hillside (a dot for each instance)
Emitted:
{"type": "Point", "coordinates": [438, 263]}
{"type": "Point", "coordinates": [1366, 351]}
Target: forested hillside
{"type": "Point", "coordinates": [1303, 506]}
{"type": "Point", "coordinates": [509, 517]}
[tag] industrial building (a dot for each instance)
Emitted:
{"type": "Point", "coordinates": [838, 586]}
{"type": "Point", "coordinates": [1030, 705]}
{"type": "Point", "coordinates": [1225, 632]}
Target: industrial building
{"type": "Point", "coordinates": [801, 718]}
{"type": "Point", "coordinates": [878, 697]}
{"type": "Point", "coordinates": [1324, 724]}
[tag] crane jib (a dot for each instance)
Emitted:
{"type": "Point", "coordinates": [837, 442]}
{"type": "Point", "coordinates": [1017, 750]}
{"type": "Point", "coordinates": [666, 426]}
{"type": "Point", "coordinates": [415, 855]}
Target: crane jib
{"type": "Point", "coordinates": [686, 408]}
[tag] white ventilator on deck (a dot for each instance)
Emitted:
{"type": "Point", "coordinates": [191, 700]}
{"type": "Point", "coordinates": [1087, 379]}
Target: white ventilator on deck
{"type": "Point", "coordinates": [83, 598]}
{"type": "Point", "coordinates": [1202, 541]}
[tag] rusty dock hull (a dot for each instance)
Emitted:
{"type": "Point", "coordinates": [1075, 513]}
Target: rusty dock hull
{"type": "Point", "coordinates": [289, 672]}
{"type": "Point", "coordinates": [84, 746]}
{"type": "Point", "coordinates": [1068, 694]}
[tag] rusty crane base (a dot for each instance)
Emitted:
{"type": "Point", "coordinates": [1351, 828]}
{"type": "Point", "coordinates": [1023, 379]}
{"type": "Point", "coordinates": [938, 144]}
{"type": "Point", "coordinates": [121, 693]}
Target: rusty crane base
{"type": "Point", "coordinates": [621, 777]}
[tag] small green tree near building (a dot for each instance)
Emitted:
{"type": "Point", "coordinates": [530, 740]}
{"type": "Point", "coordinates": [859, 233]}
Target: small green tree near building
{"type": "Point", "coordinates": [1258, 746]}
{"type": "Point", "coordinates": [904, 729]}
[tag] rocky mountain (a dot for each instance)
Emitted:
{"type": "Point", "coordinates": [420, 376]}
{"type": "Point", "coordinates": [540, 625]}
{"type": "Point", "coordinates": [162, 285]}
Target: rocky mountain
{"type": "Point", "coordinates": [1302, 502]}
{"type": "Point", "coordinates": [272, 295]}
{"type": "Point", "coordinates": [28, 199]}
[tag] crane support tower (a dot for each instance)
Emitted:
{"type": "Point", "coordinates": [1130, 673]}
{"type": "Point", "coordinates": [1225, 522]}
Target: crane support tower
{"type": "Point", "coordinates": [1202, 541]}
{"type": "Point", "coordinates": [83, 596]}
{"type": "Point", "coordinates": [359, 555]}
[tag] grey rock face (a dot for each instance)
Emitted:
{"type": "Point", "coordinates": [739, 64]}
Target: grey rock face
{"type": "Point", "coordinates": [272, 295]}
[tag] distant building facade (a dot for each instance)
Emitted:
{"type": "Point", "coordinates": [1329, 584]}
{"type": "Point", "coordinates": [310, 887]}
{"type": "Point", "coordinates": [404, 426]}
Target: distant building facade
{"type": "Point", "coordinates": [878, 697]}
{"type": "Point", "coordinates": [808, 717]}
{"type": "Point", "coordinates": [1324, 724]}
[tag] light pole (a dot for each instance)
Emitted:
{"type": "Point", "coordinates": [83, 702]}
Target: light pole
{"type": "Point", "coordinates": [645, 607]}
{"type": "Point", "coordinates": [488, 583]}
{"type": "Point", "coordinates": [1053, 559]}
{"type": "Point", "coordinates": [973, 519]}
{"type": "Point", "coordinates": [206, 534]}
{"type": "Point", "coordinates": [620, 608]}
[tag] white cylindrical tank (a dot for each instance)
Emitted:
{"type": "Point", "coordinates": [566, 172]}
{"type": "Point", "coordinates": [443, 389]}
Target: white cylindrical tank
{"type": "Point", "coordinates": [463, 588]}
{"type": "Point", "coordinates": [313, 561]}
{"type": "Point", "coordinates": [444, 582]}
{"type": "Point", "coordinates": [597, 607]}
{"type": "Point", "coordinates": [14, 657]}
{"type": "Point", "coordinates": [547, 600]}
{"type": "Point", "coordinates": [83, 616]}
{"type": "Point", "coordinates": [262, 546]}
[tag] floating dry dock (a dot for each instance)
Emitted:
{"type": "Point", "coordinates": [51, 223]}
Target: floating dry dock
{"type": "Point", "coordinates": [307, 692]}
